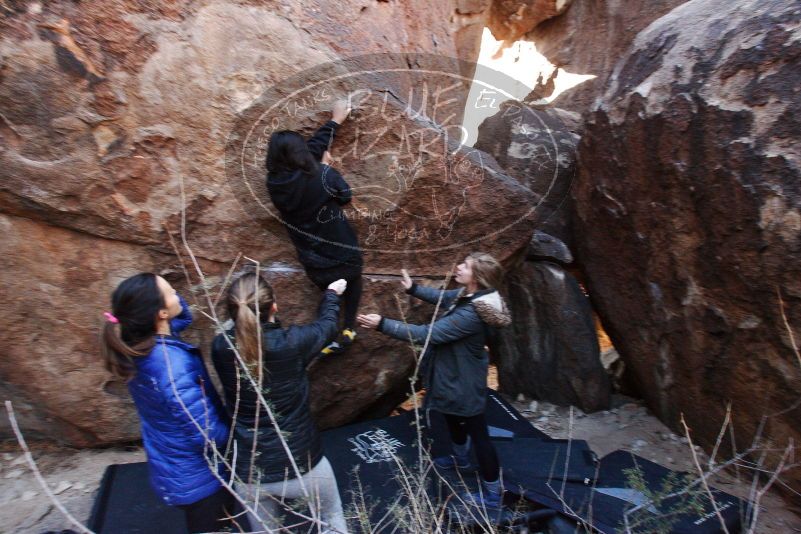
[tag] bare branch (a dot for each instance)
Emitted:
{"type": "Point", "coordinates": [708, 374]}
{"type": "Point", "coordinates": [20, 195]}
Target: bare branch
{"type": "Point", "coordinates": [701, 472]}
{"type": "Point", "coordinates": [37, 474]}
{"type": "Point", "coordinates": [787, 326]}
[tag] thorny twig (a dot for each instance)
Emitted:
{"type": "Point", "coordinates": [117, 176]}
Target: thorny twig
{"type": "Point", "coordinates": [37, 474]}
{"type": "Point", "coordinates": [787, 326]}
{"type": "Point", "coordinates": [701, 470]}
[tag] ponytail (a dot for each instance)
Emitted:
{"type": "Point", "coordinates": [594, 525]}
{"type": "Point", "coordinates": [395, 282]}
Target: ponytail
{"type": "Point", "coordinates": [117, 355]}
{"type": "Point", "coordinates": [248, 331]}
{"type": "Point", "coordinates": [129, 332]}
{"type": "Point", "coordinates": [245, 294]}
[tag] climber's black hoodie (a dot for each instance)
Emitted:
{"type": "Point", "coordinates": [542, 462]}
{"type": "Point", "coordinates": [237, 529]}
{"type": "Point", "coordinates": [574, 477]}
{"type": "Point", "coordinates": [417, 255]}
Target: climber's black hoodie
{"type": "Point", "coordinates": [310, 208]}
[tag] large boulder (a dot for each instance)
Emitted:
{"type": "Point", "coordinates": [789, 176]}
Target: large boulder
{"type": "Point", "coordinates": [589, 37]}
{"type": "Point", "coordinates": [537, 147]}
{"type": "Point", "coordinates": [116, 117]}
{"type": "Point", "coordinates": [508, 20]}
{"type": "Point", "coordinates": [688, 217]}
{"type": "Point", "coordinates": [58, 283]}
{"type": "Point", "coordinates": [422, 199]}
{"type": "Point", "coordinates": [551, 351]}
{"type": "Point", "coordinates": [546, 247]}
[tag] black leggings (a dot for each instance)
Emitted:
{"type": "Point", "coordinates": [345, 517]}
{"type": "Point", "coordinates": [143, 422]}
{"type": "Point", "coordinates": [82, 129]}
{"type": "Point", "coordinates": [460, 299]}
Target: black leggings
{"type": "Point", "coordinates": [353, 294]}
{"type": "Point", "coordinates": [209, 514]}
{"type": "Point", "coordinates": [475, 426]}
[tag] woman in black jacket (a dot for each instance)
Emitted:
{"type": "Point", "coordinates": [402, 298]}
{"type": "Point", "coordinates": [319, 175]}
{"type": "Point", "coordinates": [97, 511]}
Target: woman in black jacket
{"type": "Point", "coordinates": [310, 196]}
{"type": "Point", "coordinates": [455, 365]}
{"type": "Point", "coordinates": [274, 359]}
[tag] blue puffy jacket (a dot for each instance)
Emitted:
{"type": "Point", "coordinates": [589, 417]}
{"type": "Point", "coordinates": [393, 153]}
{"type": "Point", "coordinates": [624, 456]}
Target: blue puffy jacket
{"type": "Point", "coordinates": [170, 389]}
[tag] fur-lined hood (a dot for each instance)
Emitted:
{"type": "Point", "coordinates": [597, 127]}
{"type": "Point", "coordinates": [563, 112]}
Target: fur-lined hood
{"type": "Point", "coordinates": [492, 309]}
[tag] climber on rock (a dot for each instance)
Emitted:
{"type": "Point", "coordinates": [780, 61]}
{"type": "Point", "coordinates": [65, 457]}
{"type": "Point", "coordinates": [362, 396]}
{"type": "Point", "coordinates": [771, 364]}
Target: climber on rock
{"type": "Point", "coordinates": [455, 364]}
{"type": "Point", "coordinates": [309, 195]}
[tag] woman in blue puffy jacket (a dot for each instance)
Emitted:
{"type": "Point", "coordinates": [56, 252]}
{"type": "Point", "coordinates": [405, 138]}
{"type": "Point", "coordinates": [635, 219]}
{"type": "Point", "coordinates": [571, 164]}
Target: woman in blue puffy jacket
{"type": "Point", "coordinates": [181, 415]}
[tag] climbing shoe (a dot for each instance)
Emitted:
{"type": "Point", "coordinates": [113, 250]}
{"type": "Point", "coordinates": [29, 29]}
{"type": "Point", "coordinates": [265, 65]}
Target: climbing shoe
{"type": "Point", "coordinates": [341, 344]}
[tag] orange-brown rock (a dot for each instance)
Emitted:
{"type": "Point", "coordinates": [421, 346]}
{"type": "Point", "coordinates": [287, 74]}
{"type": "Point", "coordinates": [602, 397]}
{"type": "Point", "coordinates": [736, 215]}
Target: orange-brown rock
{"type": "Point", "coordinates": [590, 37]}
{"type": "Point", "coordinates": [420, 199]}
{"type": "Point", "coordinates": [115, 116]}
{"type": "Point", "coordinates": [57, 283]}
{"type": "Point", "coordinates": [508, 20]}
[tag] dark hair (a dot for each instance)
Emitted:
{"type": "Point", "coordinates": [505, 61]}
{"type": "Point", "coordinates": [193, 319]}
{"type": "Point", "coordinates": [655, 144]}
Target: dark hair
{"type": "Point", "coordinates": [135, 303]}
{"type": "Point", "coordinates": [287, 151]}
{"type": "Point", "coordinates": [243, 295]}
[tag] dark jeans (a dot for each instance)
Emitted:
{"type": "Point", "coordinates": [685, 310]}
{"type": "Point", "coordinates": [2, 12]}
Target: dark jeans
{"type": "Point", "coordinates": [353, 294]}
{"type": "Point", "coordinates": [476, 427]}
{"type": "Point", "coordinates": [209, 514]}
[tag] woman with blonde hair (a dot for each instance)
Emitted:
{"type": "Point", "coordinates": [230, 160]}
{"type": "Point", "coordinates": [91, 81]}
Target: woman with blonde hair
{"type": "Point", "coordinates": [258, 357]}
{"type": "Point", "coordinates": [454, 370]}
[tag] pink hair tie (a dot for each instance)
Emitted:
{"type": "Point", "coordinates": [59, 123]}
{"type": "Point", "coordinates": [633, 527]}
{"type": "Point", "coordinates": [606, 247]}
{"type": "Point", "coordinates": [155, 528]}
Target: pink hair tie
{"type": "Point", "coordinates": [110, 318]}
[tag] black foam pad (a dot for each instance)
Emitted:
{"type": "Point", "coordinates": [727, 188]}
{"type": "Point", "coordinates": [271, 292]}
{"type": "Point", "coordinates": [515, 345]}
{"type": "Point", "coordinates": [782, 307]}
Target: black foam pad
{"type": "Point", "coordinates": [614, 494]}
{"type": "Point", "coordinates": [125, 504]}
{"type": "Point", "coordinates": [552, 459]}
{"type": "Point", "coordinates": [364, 457]}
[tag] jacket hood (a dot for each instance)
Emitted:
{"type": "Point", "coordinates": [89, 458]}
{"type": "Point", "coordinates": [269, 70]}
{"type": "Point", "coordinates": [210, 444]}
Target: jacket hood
{"type": "Point", "coordinates": [286, 189]}
{"type": "Point", "coordinates": [492, 309]}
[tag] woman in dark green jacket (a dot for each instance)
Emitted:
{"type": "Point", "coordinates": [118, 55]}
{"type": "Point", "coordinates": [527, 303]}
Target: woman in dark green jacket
{"type": "Point", "coordinates": [455, 367]}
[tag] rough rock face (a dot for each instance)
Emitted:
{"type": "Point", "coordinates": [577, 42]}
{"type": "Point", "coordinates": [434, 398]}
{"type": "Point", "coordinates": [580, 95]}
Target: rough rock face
{"type": "Point", "coordinates": [508, 20]}
{"type": "Point", "coordinates": [547, 247]}
{"type": "Point", "coordinates": [590, 37]}
{"type": "Point", "coordinates": [688, 221]}
{"type": "Point", "coordinates": [373, 375]}
{"type": "Point", "coordinates": [116, 113]}
{"type": "Point", "coordinates": [538, 148]}
{"type": "Point", "coordinates": [469, 19]}
{"type": "Point", "coordinates": [58, 283]}
{"type": "Point", "coordinates": [419, 200]}
{"type": "Point", "coordinates": [550, 352]}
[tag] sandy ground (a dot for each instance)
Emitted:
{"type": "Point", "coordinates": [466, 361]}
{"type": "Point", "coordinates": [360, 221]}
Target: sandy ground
{"type": "Point", "coordinates": [75, 474]}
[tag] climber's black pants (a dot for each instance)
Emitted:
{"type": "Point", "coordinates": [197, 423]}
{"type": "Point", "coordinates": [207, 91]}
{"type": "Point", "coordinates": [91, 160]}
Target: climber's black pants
{"type": "Point", "coordinates": [353, 294]}
{"type": "Point", "coordinates": [476, 427]}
